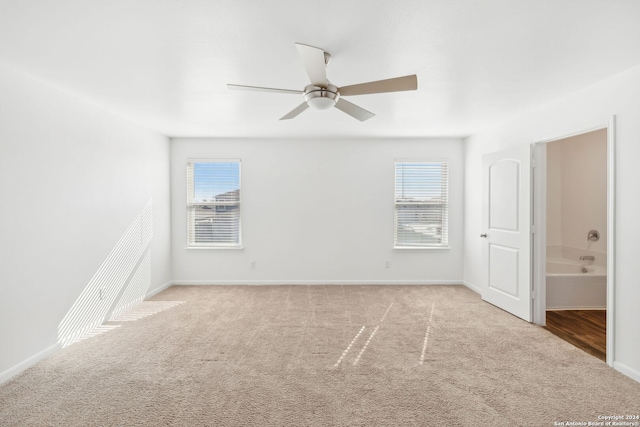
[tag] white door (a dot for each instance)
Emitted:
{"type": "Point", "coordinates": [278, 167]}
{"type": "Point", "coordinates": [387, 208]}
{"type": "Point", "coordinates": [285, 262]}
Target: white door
{"type": "Point", "coordinates": [506, 230]}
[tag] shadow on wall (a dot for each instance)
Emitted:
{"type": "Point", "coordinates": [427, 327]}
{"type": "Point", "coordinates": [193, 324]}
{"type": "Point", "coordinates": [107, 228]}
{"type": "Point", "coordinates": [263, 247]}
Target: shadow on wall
{"type": "Point", "coordinates": [122, 280]}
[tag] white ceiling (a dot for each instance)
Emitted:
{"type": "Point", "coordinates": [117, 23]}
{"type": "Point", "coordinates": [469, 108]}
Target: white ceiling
{"type": "Point", "coordinates": [165, 63]}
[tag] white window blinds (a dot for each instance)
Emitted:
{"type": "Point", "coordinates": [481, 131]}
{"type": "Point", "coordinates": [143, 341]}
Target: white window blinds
{"type": "Point", "coordinates": [213, 204]}
{"type": "Point", "coordinates": [421, 204]}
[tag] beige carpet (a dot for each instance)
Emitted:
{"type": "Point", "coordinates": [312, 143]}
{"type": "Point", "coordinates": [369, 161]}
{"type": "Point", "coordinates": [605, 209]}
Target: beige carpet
{"type": "Point", "coordinates": [318, 356]}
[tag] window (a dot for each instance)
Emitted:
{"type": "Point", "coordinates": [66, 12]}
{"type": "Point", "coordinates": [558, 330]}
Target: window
{"type": "Point", "coordinates": [421, 204]}
{"type": "Point", "coordinates": [213, 204]}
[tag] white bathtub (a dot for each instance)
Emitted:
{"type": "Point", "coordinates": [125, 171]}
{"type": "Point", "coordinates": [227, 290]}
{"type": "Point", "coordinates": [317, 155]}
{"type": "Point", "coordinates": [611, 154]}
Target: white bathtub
{"type": "Point", "coordinates": [573, 285]}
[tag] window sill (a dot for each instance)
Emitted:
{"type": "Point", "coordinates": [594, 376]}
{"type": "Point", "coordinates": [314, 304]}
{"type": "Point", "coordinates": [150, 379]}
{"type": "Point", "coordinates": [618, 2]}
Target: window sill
{"type": "Point", "coordinates": [422, 249]}
{"type": "Point", "coordinates": [214, 248]}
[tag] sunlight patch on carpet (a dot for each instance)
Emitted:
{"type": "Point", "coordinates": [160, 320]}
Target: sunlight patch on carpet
{"type": "Point", "coordinates": [98, 330]}
{"type": "Point", "coordinates": [426, 335]}
{"type": "Point", "coordinates": [344, 353]}
{"type": "Point", "coordinates": [136, 312]}
{"type": "Point", "coordinates": [355, 362]}
{"type": "Point", "coordinates": [144, 309]}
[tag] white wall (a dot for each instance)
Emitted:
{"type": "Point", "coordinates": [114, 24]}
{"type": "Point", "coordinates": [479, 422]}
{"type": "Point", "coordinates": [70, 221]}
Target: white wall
{"type": "Point", "coordinates": [73, 178]}
{"type": "Point", "coordinates": [584, 110]}
{"type": "Point", "coordinates": [577, 194]}
{"type": "Point", "coordinates": [316, 211]}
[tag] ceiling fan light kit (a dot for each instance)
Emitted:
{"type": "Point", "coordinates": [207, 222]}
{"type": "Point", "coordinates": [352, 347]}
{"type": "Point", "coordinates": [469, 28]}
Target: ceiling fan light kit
{"type": "Point", "coordinates": [322, 95]}
{"type": "Point", "coordinates": [321, 98]}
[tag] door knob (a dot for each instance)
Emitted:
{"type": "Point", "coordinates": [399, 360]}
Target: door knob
{"type": "Point", "coordinates": [483, 235]}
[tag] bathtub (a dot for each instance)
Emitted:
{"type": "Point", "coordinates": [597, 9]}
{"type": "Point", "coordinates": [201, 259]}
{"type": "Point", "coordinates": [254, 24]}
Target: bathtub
{"type": "Point", "coordinates": [574, 285]}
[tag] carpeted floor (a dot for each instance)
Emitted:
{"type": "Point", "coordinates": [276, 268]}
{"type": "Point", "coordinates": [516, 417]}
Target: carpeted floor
{"type": "Point", "coordinates": [319, 356]}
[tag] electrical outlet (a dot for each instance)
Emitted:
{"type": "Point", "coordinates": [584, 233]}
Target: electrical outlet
{"type": "Point", "coordinates": [253, 264]}
{"type": "Point", "coordinates": [387, 264]}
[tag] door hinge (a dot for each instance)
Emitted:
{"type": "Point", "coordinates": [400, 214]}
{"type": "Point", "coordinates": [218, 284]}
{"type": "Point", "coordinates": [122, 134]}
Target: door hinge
{"type": "Point", "coordinates": [534, 229]}
{"type": "Point", "coordinates": [534, 295]}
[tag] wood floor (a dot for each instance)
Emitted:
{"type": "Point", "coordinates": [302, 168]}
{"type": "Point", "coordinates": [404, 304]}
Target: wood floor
{"type": "Point", "coordinates": [586, 329]}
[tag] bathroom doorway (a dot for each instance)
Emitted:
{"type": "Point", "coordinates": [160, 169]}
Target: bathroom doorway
{"type": "Point", "coordinates": [572, 207]}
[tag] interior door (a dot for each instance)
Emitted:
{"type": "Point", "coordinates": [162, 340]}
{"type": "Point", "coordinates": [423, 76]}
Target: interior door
{"type": "Point", "coordinates": [506, 230]}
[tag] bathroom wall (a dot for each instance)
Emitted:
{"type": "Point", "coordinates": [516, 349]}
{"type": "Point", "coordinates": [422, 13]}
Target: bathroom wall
{"type": "Point", "coordinates": [577, 196]}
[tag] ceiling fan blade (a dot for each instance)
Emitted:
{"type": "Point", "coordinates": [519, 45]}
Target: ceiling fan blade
{"type": "Point", "coordinates": [293, 113]}
{"type": "Point", "coordinates": [313, 61]}
{"type": "Point", "coordinates": [397, 84]}
{"type": "Point", "coordinates": [353, 110]}
{"type": "Point", "coordinates": [263, 89]}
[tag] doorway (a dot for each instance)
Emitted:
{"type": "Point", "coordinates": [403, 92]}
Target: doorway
{"type": "Point", "coordinates": [573, 233]}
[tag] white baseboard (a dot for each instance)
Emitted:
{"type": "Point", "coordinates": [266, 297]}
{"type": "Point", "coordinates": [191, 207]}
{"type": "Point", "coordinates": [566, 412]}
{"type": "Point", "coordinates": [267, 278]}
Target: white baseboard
{"type": "Point", "coordinates": [624, 369]}
{"type": "Point", "coordinates": [574, 307]}
{"type": "Point", "coordinates": [158, 290]}
{"type": "Point", "coordinates": [317, 282]}
{"type": "Point", "coordinates": [25, 364]}
{"type": "Point", "coordinates": [473, 287]}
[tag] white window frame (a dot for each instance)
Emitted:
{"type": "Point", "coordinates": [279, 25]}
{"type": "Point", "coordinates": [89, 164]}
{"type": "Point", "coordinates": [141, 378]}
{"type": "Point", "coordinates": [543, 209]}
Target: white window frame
{"type": "Point", "coordinates": [190, 203]}
{"type": "Point", "coordinates": [444, 245]}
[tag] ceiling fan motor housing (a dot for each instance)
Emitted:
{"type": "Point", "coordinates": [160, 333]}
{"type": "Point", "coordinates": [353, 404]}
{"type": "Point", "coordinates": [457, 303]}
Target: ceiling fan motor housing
{"type": "Point", "coordinates": [321, 98]}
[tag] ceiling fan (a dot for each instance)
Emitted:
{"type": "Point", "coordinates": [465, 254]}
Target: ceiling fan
{"type": "Point", "coordinates": [321, 94]}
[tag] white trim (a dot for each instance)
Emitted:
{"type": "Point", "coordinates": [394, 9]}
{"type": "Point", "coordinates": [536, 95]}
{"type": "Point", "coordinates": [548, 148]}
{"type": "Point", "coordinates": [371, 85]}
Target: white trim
{"type": "Point", "coordinates": [624, 369]}
{"type": "Point", "coordinates": [472, 287]}
{"type": "Point", "coordinates": [213, 159]}
{"type": "Point", "coordinates": [422, 160]}
{"type": "Point", "coordinates": [539, 238]}
{"type": "Point", "coordinates": [421, 248]}
{"type": "Point", "coordinates": [158, 290]}
{"type": "Point", "coordinates": [317, 282]}
{"type": "Point", "coordinates": [575, 307]}
{"type": "Point", "coordinates": [26, 364]}
{"type": "Point", "coordinates": [214, 248]}
{"type": "Point", "coordinates": [594, 128]}
{"type": "Point", "coordinates": [611, 237]}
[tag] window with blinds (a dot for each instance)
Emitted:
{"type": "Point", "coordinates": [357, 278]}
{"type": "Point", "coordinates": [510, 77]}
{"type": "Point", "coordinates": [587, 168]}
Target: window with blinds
{"type": "Point", "coordinates": [421, 204]}
{"type": "Point", "coordinates": [213, 203]}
